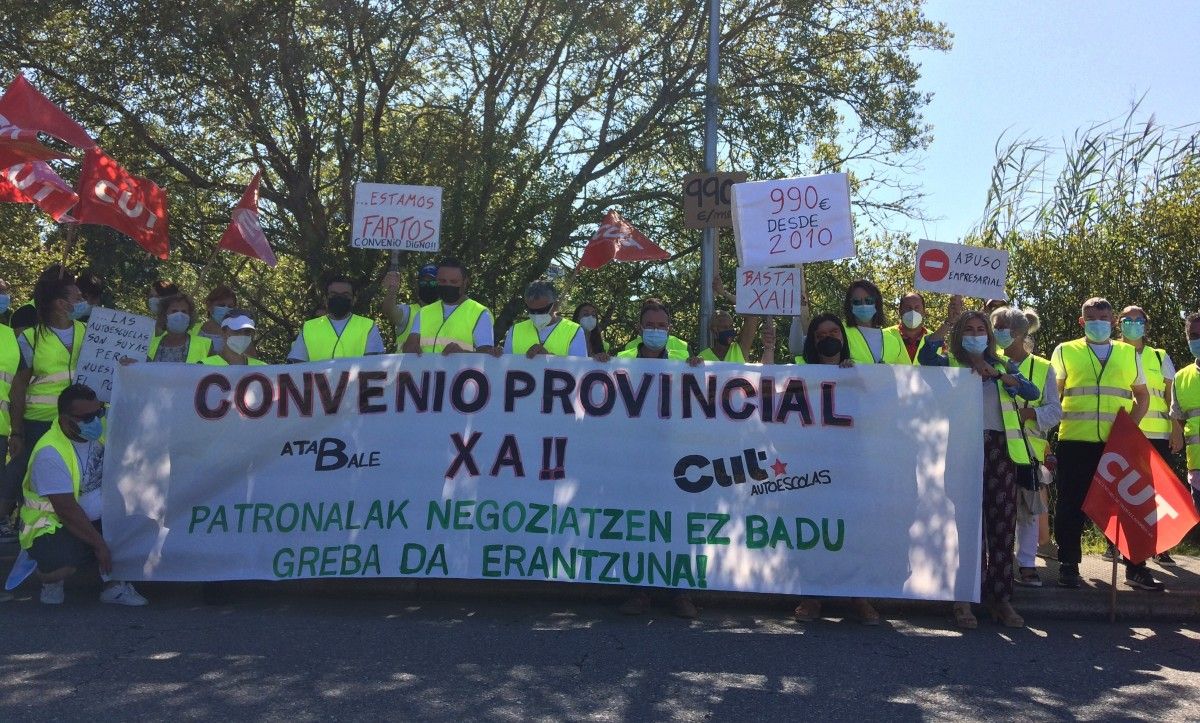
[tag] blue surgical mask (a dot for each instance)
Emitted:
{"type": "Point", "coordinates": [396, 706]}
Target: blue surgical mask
{"type": "Point", "coordinates": [654, 338]}
{"type": "Point", "coordinates": [80, 309]}
{"type": "Point", "coordinates": [5, 302]}
{"type": "Point", "coordinates": [1004, 338]}
{"type": "Point", "coordinates": [1097, 332]}
{"type": "Point", "coordinates": [178, 322]}
{"type": "Point", "coordinates": [1194, 347]}
{"type": "Point", "coordinates": [863, 312]}
{"type": "Point", "coordinates": [219, 312]}
{"type": "Point", "coordinates": [92, 429]}
{"type": "Point", "coordinates": [975, 344]}
{"type": "Point", "coordinates": [1133, 330]}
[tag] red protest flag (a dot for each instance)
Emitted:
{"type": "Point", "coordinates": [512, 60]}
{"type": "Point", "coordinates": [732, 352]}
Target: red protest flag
{"type": "Point", "coordinates": [37, 183]}
{"type": "Point", "coordinates": [18, 146]}
{"type": "Point", "coordinates": [110, 196]}
{"type": "Point", "coordinates": [244, 235]}
{"type": "Point", "coordinates": [25, 107]}
{"type": "Point", "coordinates": [1135, 497]}
{"type": "Point", "coordinates": [617, 240]}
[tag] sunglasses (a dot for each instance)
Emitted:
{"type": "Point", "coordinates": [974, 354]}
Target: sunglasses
{"type": "Point", "coordinates": [868, 301]}
{"type": "Point", "coordinates": [87, 418]}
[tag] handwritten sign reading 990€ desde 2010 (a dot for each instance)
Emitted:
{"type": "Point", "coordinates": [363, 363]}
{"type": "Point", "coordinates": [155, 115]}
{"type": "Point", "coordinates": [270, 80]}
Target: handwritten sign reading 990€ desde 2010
{"type": "Point", "coordinates": [793, 220]}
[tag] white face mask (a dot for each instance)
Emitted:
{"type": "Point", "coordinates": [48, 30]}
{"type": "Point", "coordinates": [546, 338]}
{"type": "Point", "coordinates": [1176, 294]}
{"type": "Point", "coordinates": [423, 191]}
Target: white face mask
{"type": "Point", "coordinates": [912, 319]}
{"type": "Point", "coordinates": [239, 344]}
{"type": "Point", "coordinates": [587, 322]}
{"type": "Point", "coordinates": [541, 321]}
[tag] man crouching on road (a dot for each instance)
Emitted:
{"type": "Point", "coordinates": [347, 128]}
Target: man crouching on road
{"type": "Point", "coordinates": [61, 517]}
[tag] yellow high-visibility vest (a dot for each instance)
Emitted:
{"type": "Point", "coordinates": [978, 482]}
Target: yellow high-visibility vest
{"type": "Point", "coordinates": [198, 348]}
{"type": "Point", "coordinates": [525, 335]}
{"type": "Point", "coordinates": [1013, 441]}
{"type": "Point", "coordinates": [1187, 395]}
{"type": "Point", "coordinates": [733, 354]}
{"type": "Point", "coordinates": [896, 350]}
{"type": "Point", "coordinates": [321, 340]}
{"type": "Point", "coordinates": [438, 330]}
{"type": "Point", "coordinates": [37, 514]}
{"type": "Point", "coordinates": [402, 336]}
{"type": "Point", "coordinates": [1036, 369]}
{"type": "Point", "coordinates": [10, 359]}
{"type": "Point", "coordinates": [1094, 393]}
{"type": "Point", "coordinates": [673, 354]}
{"type": "Point", "coordinates": [219, 361]}
{"type": "Point", "coordinates": [52, 370]}
{"type": "Point", "coordinates": [1157, 422]}
{"type": "Point", "coordinates": [892, 349]}
{"type": "Point", "coordinates": [673, 342]}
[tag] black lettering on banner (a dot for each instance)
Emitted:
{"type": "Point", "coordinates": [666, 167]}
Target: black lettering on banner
{"type": "Point", "coordinates": [367, 391]}
{"type": "Point", "coordinates": [479, 380]}
{"type": "Point", "coordinates": [463, 456]}
{"type": "Point", "coordinates": [633, 401]}
{"type": "Point", "coordinates": [553, 468]}
{"type": "Point", "coordinates": [587, 384]}
{"type": "Point", "coordinates": [707, 398]}
{"type": "Point", "coordinates": [509, 455]}
{"type": "Point", "coordinates": [331, 400]}
{"type": "Point", "coordinates": [201, 399]}
{"type": "Point", "coordinates": [829, 416]}
{"type": "Point", "coordinates": [242, 396]}
{"type": "Point", "coordinates": [559, 385]}
{"type": "Point", "coordinates": [685, 464]}
{"type": "Point", "coordinates": [302, 397]}
{"type": "Point", "coordinates": [748, 409]}
{"type": "Point", "coordinates": [517, 384]}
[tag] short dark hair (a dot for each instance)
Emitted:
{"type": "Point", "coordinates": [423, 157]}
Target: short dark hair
{"type": "Point", "coordinates": [74, 393]}
{"type": "Point", "coordinates": [653, 305]}
{"type": "Point", "coordinates": [222, 291]}
{"type": "Point", "coordinates": [90, 283]}
{"type": "Point", "coordinates": [810, 340]}
{"type": "Point", "coordinates": [163, 287]}
{"type": "Point", "coordinates": [880, 319]}
{"type": "Point", "coordinates": [450, 262]}
{"type": "Point", "coordinates": [340, 279]}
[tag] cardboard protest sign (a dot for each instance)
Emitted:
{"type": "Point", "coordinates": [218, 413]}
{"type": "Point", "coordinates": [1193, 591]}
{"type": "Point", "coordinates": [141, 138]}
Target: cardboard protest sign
{"type": "Point", "coordinates": [771, 292]}
{"type": "Point", "coordinates": [398, 218]}
{"type": "Point", "coordinates": [956, 269]}
{"type": "Point", "coordinates": [707, 199]}
{"type": "Point", "coordinates": [111, 336]}
{"type": "Point", "coordinates": [793, 221]}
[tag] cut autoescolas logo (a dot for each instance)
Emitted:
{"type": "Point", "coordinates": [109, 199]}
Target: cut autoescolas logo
{"type": "Point", "coordinates": [696, 473]}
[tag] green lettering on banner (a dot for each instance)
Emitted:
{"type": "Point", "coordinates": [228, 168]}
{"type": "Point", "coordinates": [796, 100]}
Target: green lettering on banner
{"type": "Point", "coordinates": [375, 514]}
{"type": "Point", "coordinates": [439, 513]}
{"type": "Point", "coordinates": [334, 518]}
{"type": "Point", "coordinates": [634, 522]}
{"type": "Point", "coordinates": [396, 512]}
{"type": "Point", "coordinates": [310, 519]}
{"type": "Point", "coordinates": [695, 524]}
{"type": "Point", "coordinates": [262, 514]}
{"type": "Point", "coordinates": [491, 560]}
{"type": "Point", "coordinates": [841, 535]}
{"type": "Point", "coordinates": [514, 557]}
{"type": "Point", "coordinates": [756, 532]}
{"type": "Point", "coordinates": [538, 562]}
{"type": "Point", "coordinates": [197, 517]}
{"type": "Point", "coordinates": [660, 526]}
{"type": "Point", "coordinates": [283, 564]}
{"type": "Point", "coordinates": [218, 518]}
{"type": "Point", "coordinates": [295, 520]}
{"type": "Point", "coordinates": [308, 559]}
{"type": "Point", "coordinates": [570, 521]}
{"type": "Point", "coordinates": [806, 541]}
{"type": "Point", "coordinates": [462, 514]}
{"type": "Point", "coordinates": [633, 568]}
{"type": "Point", "coordinates": [487, 515]}
{"type": "Point", "coordinates": [535, 526]}
{"type": "Point", "coordinates": [242, 508]}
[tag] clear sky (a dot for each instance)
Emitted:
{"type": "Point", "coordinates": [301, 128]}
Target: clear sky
{"type": "Point", "coordinates": [1043, 69]}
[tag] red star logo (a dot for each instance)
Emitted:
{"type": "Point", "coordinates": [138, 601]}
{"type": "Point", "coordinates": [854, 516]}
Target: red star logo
{"type": "Point", "coordinates": [779, 467]}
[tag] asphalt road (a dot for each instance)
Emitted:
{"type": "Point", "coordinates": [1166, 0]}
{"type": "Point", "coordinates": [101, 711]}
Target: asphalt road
{"type": "Point", "coordinates": [310, 657]}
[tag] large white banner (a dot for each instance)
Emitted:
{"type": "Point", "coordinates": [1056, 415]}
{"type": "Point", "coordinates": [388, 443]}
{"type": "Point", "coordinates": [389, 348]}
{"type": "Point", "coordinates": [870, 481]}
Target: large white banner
{"type": "Point", "coordinates": [787, 479]}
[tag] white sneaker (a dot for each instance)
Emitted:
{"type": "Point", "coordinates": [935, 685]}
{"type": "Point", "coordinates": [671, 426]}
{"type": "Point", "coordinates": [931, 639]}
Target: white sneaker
{"type": "Point", "coordinates": [52, 593]}
{"type": "Point", "coordinates": [122, 594]}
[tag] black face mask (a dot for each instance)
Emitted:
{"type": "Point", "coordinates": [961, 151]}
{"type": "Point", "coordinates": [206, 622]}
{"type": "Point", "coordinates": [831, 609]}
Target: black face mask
{"type": "Point", "coordinates": [829, 346]}
{"type": "Point", "coordinates": [427, 293]}
{"type": "Point", "coordinates": [338, 306]}
{"type": "Point", "coordinates": [449, 294]}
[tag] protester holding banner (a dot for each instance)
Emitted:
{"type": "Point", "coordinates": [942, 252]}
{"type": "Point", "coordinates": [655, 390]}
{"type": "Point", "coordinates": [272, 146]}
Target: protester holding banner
{"type": "Point", "coordinates": [588, 317]}
{"type": "Point", "coordinates": [825, 342]}
{"type": "Point", "coordinates": [1097, 377]}
{"type": "Point", "coordinates": [455, 323]}
{"type": "Point", "coordinates": [340, 332]}
{"type": "Point", "coordinates": [1185, 407]}
{"type": "Point", "coordinates": [216, 305]}
{"type": "Point", "coordinates": [61, 517]}
{"type": "Point", "coordinates": [972, 346]}
{"type": "Point", "coordinates": [911, 329]}
{"type": "Point", "coordinates": [863, 310]}
{"type": "Point", "coordinates": [654, 333]}
{"type": "Point", "coordinates": [176, 343]}
{"type": "Point", "coordinates": [544, 332]}
{"type": "Point", "coordinates": [237, 333]}
{"type": "Point", "coordinates": [403, 316]}
{"type": "Point", "coordinates": [674, 343]}
{"type": "Point", "coordinates": [1011, 328]}
{"type": "Point", "coordinates": [49, 354]}
{"type": "Point", "coordinates": [1160, 378]}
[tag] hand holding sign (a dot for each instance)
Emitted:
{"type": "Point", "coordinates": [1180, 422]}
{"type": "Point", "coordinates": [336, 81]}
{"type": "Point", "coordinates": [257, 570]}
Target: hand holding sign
{"type": "Point", "coordinates": [794, 220]}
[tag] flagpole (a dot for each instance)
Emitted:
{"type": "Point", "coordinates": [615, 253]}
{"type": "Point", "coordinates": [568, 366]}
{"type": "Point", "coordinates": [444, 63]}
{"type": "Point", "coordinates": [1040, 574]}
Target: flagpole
{"type": "Point", "coordinates": [1112, 593]}
{"type": "Point", "coordinates": [708, 245]}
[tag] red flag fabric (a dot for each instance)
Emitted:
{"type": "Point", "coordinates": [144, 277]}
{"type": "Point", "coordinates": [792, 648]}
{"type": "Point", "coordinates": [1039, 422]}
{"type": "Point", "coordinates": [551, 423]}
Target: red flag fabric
{"type": "Point", "coordinates": [37, 183]}
{"type": "Point", "coordinates": [18, 146]}
{"type": "Point", "coordinates": [25, 107]}
{"type": "Point", "coordinates": [617, 240]}
{"type": "Point", "coordinates": [110, 196]}
{"type": "Point", "coordinates": [1135, 497]}
{"type": "Point", "coordinates": [244, 235]}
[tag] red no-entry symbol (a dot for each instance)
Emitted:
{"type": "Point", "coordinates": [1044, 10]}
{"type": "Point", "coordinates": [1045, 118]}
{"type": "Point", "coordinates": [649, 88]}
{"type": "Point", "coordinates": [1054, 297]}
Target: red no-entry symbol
{"type": "Point", "coordinates": [933, 265]}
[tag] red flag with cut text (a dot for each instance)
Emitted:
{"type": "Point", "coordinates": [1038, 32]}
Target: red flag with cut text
{"type": "Point", "coordinates": [37, 183]}
{"type": "Point", "coordinates": [618, 240]}
{"type": "Point", "coordinates": [111, 196]}
{"type": "Point", "coordinates": [1135, 497]}
{"type": "Point", "coordinates": [244, 235]}
{"type": "Point", "coordinates": [25, 107]}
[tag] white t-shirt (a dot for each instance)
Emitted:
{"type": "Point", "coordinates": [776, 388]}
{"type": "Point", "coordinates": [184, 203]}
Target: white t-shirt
{"type": "Point", "coordinates": [484, 334]}
{"type": "Point", "coordinates": [299, 351]}
{"type": "Point", "coordinates": [874, 339]}
{"type": "Point", "coordinates": [66, 336]}
{"type": "Point", "coordinates": [578, 342]}
{"type": "Point", "coordinates": [49, 475]}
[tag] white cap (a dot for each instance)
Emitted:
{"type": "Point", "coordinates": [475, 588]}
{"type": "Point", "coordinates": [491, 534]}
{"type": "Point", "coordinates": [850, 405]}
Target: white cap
{"type": "Point", "coordinates": [237, 323]}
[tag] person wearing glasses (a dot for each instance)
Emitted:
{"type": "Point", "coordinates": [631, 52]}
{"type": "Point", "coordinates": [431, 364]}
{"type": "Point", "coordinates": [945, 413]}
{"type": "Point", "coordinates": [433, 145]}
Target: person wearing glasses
{"type": "Point", "coordinates": [339, 333]}
{"type": "Point", "coordinates": [404, 315]}
{"type": "Point", "coordinates": [61, 528]}
{"type": "Point", "coordinates": [865, 320]}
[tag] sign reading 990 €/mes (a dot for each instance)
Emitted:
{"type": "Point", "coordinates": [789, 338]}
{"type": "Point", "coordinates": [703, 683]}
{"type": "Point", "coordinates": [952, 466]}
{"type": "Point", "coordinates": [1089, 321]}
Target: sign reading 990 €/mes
{"type": "Point", "coordinates": [793, 220]}
{"type": "Point", "coordinates": [396, 218]}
